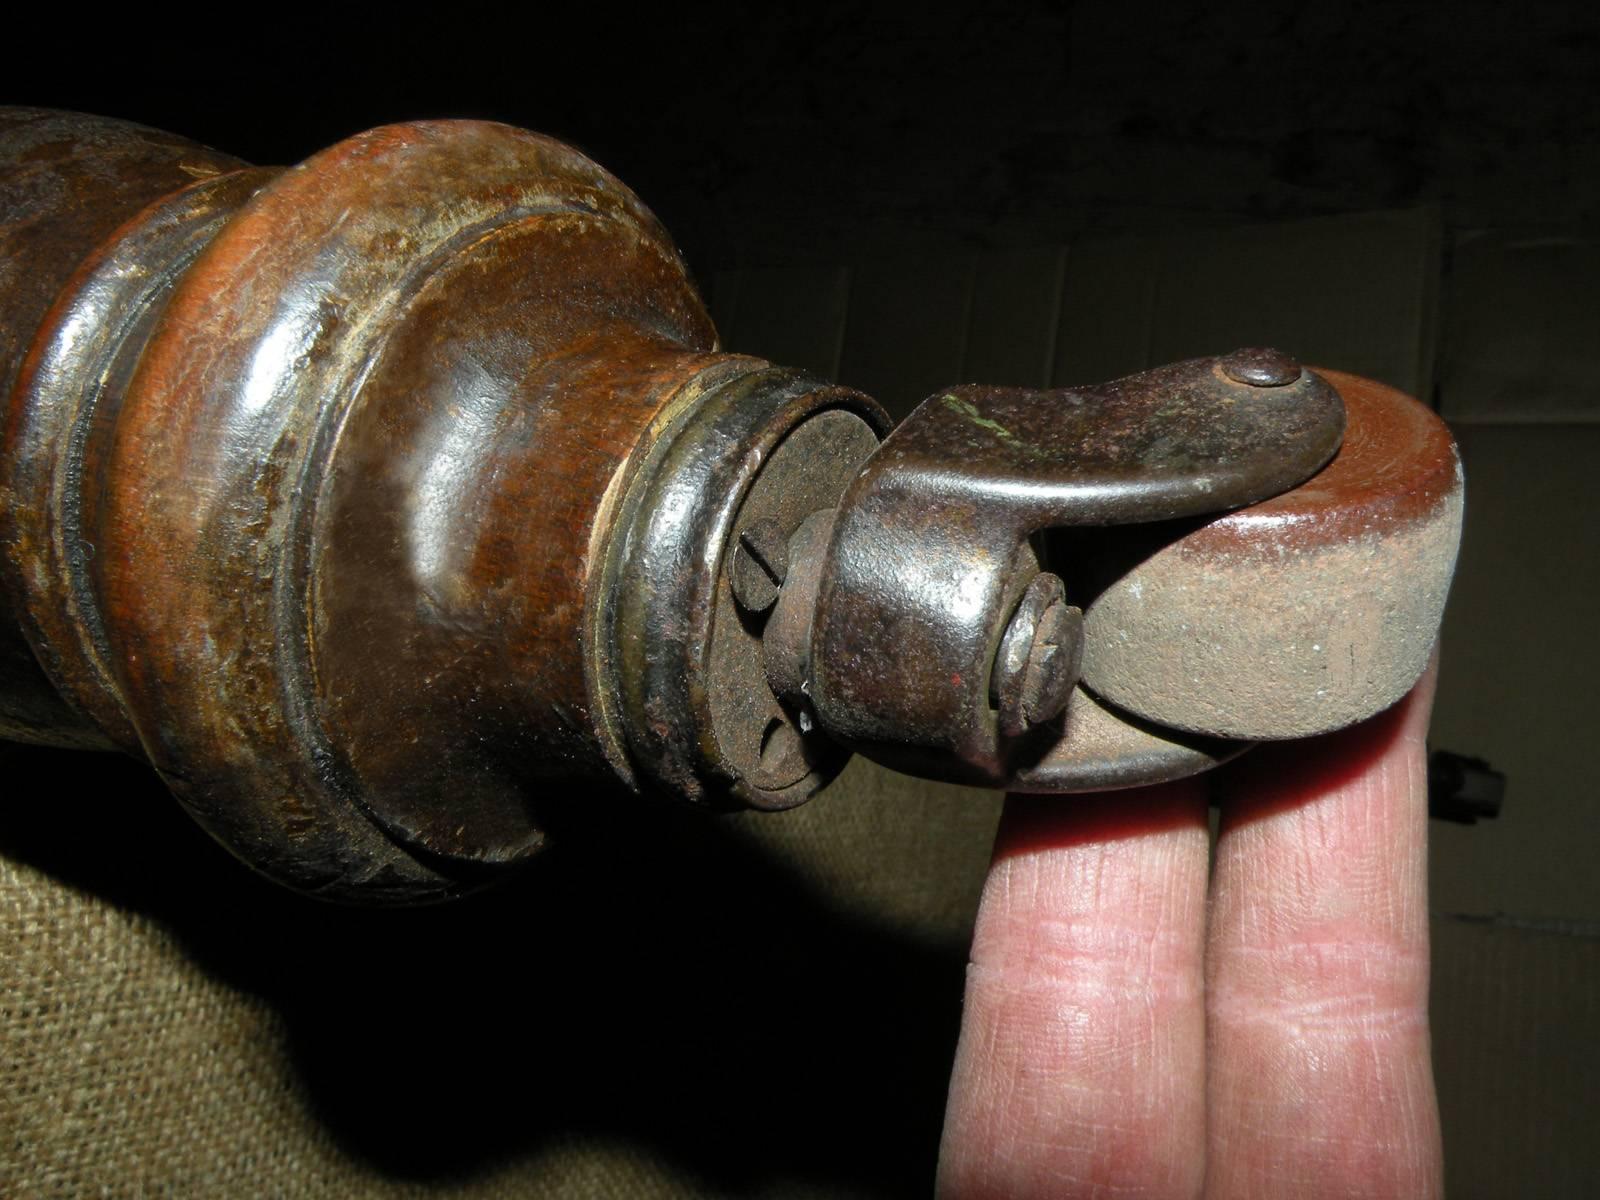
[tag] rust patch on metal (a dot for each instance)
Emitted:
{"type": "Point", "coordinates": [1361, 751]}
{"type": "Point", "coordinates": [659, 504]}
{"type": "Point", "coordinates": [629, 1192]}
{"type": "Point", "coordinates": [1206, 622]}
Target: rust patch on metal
{"type": "Point", "coordinates": [941, 533]}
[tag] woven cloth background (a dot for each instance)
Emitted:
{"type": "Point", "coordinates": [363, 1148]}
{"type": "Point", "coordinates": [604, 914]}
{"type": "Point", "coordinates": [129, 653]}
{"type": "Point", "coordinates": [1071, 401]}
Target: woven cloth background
{"type": "Point", "coordinates": [679, 1006]}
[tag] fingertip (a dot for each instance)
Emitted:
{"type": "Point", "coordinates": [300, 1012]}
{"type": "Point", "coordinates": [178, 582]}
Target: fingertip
{"type": "Point", "coordinates": [1280, 776]}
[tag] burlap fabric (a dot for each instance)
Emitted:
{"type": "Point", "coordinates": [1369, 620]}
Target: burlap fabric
{"type": "Point", "coordinates": [669, 1005]}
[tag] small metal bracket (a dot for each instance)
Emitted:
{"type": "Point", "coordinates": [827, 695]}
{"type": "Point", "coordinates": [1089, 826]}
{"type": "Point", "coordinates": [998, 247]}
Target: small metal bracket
{"type": "Point", "coordinates": [944, 642]}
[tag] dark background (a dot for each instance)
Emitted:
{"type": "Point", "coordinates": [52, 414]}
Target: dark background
{"type": "Point", "coordinates": [765, 133]}
{"type": "Point", "coordinates": [811, 1046]}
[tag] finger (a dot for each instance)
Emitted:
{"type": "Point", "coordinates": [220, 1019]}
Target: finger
{"type": "Point", "coordinates": [1080, 1069]}
{"type": "Point", "coordinates": [1319, 1075]}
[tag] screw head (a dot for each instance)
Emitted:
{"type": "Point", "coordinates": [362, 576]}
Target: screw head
{"type": "Point", "coordinates": [1262, 367]}
{"type": "Point", "coordinates": [759, 563]}
{"type": "Point", "coordinates": [1040, 656]}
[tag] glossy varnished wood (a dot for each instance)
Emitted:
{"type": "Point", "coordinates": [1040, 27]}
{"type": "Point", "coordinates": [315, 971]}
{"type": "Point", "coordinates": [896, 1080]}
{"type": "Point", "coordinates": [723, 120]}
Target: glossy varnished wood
{"type": "Point", "coordinates": [68, 183]}
{"type": "Point", "coordinates": [312, 477]}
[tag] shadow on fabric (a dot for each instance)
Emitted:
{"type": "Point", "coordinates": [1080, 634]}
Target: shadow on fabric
{"type": "Point", "coordinates": [654, 979]}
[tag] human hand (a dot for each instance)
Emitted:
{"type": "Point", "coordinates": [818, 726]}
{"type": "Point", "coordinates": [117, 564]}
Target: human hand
{"type": "Point", "coordinates": [1128, 1033]}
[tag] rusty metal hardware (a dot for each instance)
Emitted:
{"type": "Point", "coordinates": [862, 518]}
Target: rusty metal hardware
{"type": "Point", "coordinates": [390, 504]}
{"type": "Point", "coordinates": [1312, 606]}
{"type": "Point", "coordinates": [936, 547]}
